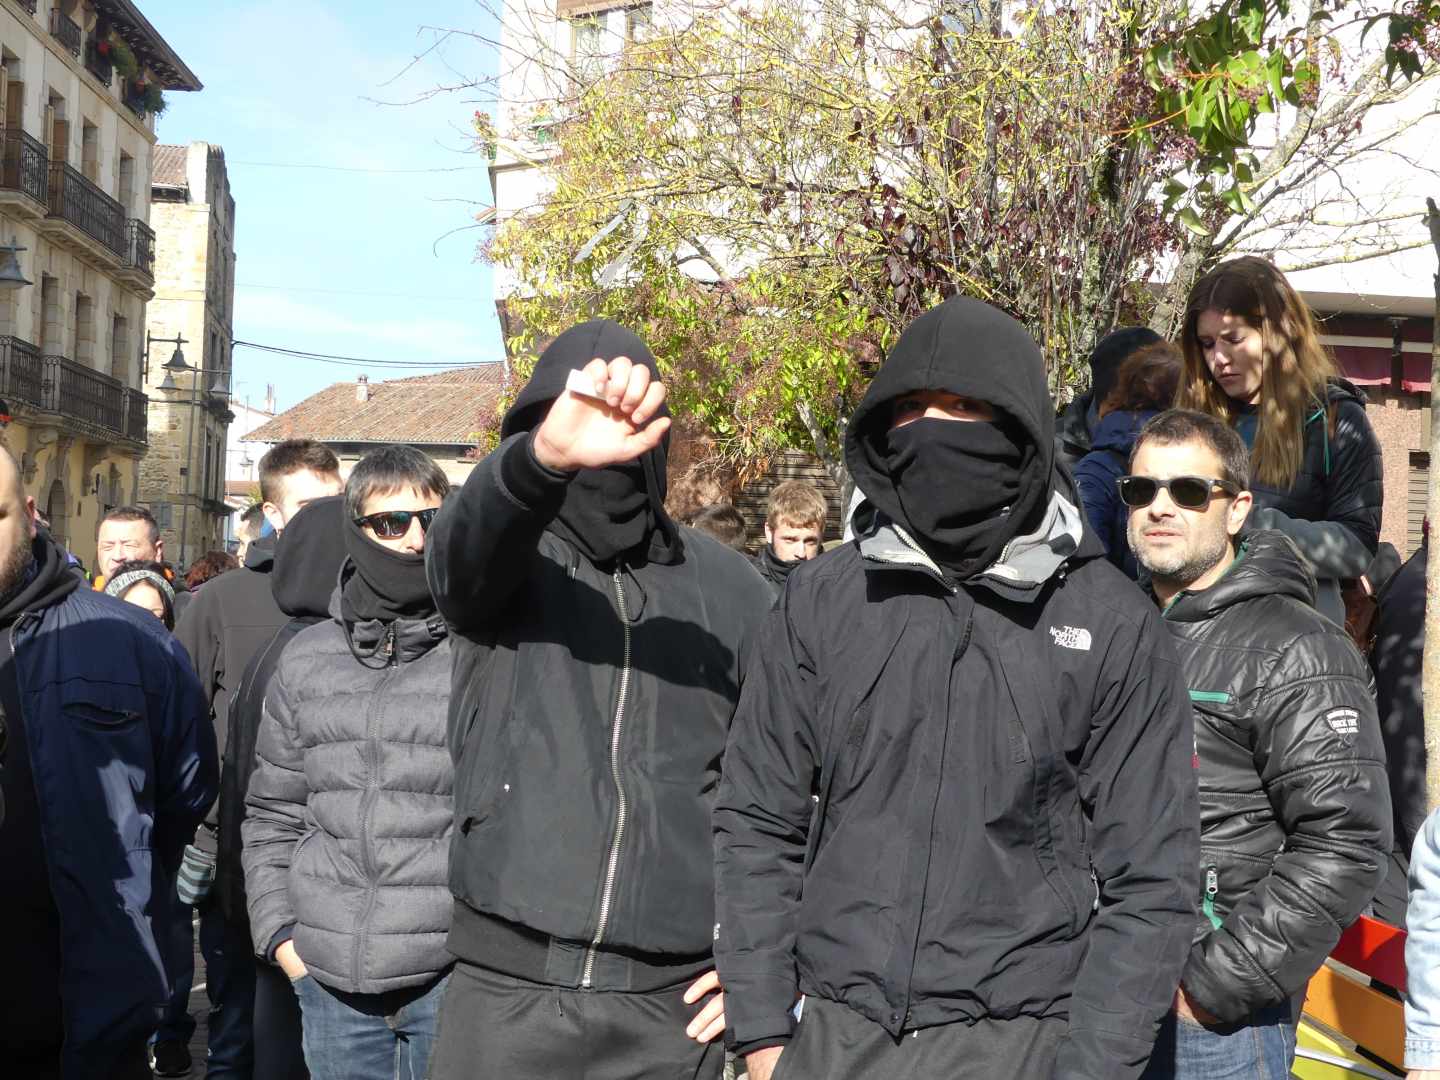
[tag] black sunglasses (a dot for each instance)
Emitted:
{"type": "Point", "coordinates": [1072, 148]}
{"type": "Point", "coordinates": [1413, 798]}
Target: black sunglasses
{"type": "Point", "coordinates": [1187, 492]}
{"type": "Point", "coordinates": [393, 524]}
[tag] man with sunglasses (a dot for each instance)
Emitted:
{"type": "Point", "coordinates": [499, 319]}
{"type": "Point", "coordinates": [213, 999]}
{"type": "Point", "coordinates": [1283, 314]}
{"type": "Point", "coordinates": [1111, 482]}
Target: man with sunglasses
{"type": "Point", "coordinates": [956, 811]}
{"type": "Point", "coordinates": [349, 809]}
{"type": "Point", "coordinates": [1294, 803]}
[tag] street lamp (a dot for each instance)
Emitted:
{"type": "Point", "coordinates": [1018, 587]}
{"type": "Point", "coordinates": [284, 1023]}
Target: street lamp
{"type": "Point", "coordinates": [219, 389]}
{"type": "Point", "coordinates": [11, 276]}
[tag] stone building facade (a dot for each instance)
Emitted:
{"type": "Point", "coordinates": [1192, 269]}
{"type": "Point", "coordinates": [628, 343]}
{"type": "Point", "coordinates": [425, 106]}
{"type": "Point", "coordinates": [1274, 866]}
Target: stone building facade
{"type": "Point", "coordinates": [182, 479]}
{"type": "Point", "coordinates": [77, 138]}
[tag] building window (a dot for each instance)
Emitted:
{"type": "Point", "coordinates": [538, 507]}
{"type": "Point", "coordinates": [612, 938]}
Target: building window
{"type": "Point", "coordinates": [90, 151]}
{"type": "Point", "coordinates": [120, 348]}
{"type": "Point", "coordinates": [125, 183]}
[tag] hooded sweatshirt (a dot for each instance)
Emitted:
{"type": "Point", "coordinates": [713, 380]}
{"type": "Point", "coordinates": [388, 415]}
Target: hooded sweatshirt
{"type": "Point", "coordinates": [597, 666]}
{"type": "Point", "coordinates": [1005, 820]}
{"type": "Point", "coordinates": [1096, 476]}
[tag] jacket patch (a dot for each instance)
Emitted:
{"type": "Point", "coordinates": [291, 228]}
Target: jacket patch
{"type": "Point", "coordinates": [1071, 637]}
{"type": "Point", "coordinates": [1345, 722]}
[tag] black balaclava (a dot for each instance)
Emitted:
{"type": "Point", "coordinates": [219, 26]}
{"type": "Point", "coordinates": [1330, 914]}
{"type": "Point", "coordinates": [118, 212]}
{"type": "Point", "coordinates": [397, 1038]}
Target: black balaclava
{"type": "Point", "coordinates": [961, 489]}
{"type": "Point", "coordinates": [381, 583]}
{"type": "Point", "coordinates": [619, 510]}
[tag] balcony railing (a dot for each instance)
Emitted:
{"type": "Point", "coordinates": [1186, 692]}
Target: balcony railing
{"type": "Point", "coordinates": [99, 66]}
{"type": "Point", "coordinates": [30, 5]}
{"type": "Point", "coordinates": [76, 200]}
{"type": "Point", "coordinates": [137, 412]}
{"type": "Point", "coordinates": [23, 164]}
{"type": "Point", "coordinates": [140, 247]}
{"type": "Point", "coordinates": [84, 394]}
{"type": "Point", "coordinates": [22, 374]}
{"type": "Point", "coordinates": [67, 31]}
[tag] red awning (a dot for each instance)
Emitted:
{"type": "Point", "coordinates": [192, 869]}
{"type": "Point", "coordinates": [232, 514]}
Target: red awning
{"type": "Point", "coordinates": [1370, 366]}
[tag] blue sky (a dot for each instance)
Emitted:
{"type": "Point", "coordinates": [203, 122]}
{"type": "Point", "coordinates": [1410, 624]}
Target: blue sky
{"type": "Point", "coordinates": [355, 263]}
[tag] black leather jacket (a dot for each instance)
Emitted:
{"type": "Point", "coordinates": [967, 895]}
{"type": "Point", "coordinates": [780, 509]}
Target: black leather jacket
{"type": "Point", "coordinates": [1294, 805]}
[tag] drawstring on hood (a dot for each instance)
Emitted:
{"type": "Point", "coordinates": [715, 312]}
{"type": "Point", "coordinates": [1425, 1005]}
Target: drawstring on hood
{"type": "Point", "coordinates": [962, 489]}
{"type": "Point", "coordinates": [615, 511]}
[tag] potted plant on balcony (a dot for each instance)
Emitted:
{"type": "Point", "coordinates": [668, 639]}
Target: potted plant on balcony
{"type": "Point", "coordinates": [145, 95]}
{"type": "Point", "coordinates": [122, 57]}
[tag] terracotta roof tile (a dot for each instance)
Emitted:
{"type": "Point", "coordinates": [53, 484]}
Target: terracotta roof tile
{"type": "Point", "coordinates": [168, 166]}
{"type": "Point", "coordinates": [443, 409]}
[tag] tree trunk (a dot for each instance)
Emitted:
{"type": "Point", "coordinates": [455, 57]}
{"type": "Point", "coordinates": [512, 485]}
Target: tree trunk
{"type": "Point", "coordinates": [1170, 311]}
{"type": "Point", "coordinates": [1430, 676]}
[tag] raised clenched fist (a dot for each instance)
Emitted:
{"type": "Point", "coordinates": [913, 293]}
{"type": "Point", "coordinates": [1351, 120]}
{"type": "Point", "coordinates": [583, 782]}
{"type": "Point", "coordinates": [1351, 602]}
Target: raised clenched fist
{"type": "Point", "coordinates": [617, 425]}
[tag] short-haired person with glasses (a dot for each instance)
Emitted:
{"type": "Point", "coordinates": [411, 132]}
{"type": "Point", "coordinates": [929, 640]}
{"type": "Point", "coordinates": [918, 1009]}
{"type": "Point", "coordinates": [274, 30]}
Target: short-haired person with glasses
{"type": "Point", "coordinates": [1294, 803]}
{"type": "Point", "coordinates": [349, 809]}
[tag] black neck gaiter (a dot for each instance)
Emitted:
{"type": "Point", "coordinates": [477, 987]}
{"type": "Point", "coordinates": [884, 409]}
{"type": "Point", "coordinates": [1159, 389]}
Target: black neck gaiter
{"type": "Point", "coordinates": [386, 584]}
{"type": "Point", "coordinates": [964, 488]}
{"type": "Point", "coordinates": [606, 511]}
{"type": "Point", "coordinates": [776, 568]}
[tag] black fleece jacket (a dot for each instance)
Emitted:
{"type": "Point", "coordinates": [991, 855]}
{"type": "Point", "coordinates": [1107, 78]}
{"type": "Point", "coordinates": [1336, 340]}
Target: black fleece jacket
{"type": "Point", "coordinates": [587, 717]}
{"type": "Point", "coordinates": [1294, 803]}
{"type": "Point", "coordinates": [1006, 821]}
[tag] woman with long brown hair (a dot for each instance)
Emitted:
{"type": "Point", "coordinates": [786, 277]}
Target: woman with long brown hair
{"type": "Point", "coordinates": [1253, 357]}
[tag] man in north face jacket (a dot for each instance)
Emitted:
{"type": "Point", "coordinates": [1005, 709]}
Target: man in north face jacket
{"type": "Point", "coordinates": [995, 876]}
{"type": "Point", "coordinates": [1294, 802]}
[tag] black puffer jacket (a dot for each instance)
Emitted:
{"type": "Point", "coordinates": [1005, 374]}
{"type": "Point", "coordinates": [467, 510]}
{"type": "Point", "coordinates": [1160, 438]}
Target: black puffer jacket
{"type": "Point", "coordinates": [1332, 510]}
{"type": "Point", "coordinates": [1294, 804]}
{"type": "Point", "coordinates": [588, 717]}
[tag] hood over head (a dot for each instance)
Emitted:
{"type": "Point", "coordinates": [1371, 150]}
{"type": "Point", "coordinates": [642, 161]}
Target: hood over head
{"type": "Point", "coordinates": [1110, 352]}
{"type": "Point", "coordinates": [619, 510]}
{"type": "Point", "coordinates": [1119, 429]}
{"type": "Point", "coordinates": [961, 489]}
{"type": "Point", "coordinates": [307, 558]}
{"type": "Point", "coordinates": [47, 578]}
{"type": "Point", "coordinates": [1267, 563]}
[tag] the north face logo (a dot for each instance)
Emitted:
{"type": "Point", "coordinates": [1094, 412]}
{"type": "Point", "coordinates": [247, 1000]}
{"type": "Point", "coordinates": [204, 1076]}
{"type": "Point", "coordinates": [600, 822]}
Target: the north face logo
{"type": "Point", "coordinates": [1071, 637]}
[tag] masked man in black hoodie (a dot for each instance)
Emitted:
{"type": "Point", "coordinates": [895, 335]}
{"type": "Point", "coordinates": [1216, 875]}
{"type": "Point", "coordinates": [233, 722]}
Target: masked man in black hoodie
{"type": "Point", "coordinates": [596, 670]}
{"type": "Point", "coordinates": [993, 877]}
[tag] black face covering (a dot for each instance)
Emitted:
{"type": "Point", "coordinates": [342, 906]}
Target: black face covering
{"type": "Point", "coordinates": [777, 568]}
{"type": "Point", "coordinates": [385, 584]}
{"type": "Point", "coordinates": [606, 511]}
{"type": "Point", "coordinates": [959, 483]}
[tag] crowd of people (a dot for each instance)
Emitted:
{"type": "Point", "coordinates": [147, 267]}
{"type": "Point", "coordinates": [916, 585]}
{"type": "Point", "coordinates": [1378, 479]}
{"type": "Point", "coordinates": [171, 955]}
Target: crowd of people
{"type": "Point", "coordinates": [1074, 759]}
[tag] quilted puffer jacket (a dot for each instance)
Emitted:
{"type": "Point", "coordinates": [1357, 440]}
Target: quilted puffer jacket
{"type": "Point", "coordinates": [349, 811]}
{"type": "Point", "coordinates": [1295, 815]}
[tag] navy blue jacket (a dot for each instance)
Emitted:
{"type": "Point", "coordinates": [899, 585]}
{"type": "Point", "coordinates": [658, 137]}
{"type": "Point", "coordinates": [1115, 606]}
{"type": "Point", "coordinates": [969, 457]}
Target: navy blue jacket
{"type": "Point", "coordinates": [124, 766]}
{"type": "Point", "coordinates": [1095, 477]}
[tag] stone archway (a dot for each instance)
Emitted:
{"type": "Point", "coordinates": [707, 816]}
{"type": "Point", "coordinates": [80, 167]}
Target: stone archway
{"type": "Point", "coordinates": [57, 512]}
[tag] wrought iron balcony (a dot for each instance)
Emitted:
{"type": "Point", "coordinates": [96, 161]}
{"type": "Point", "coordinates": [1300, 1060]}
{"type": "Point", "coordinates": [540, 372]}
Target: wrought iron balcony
{"type": "Point", "coordinates": [137, 413]}
{"type": "Point", "coordinates": [140, 247]}
{"type": "Point", "coordinates": [82, 399]}
{"type": "Point", "coordinates": [75, 199]}
{"type": "Point", "coordinates": [99, 66]}
{"type": "Point", "coordinates": [22, 374]}
{"type": "Point", "coordinates": [67, 31]}
{"type": "Point", "coordinates": [79, 393]}
{"type": "Point", "coordinates": [24, 164]}
{"type": "Point", "coordinates": [30, 5]}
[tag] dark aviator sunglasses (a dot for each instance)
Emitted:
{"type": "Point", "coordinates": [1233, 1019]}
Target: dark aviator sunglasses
{"type": "Point", "coordinates": [1187, 492]}
{"type": "Point", "coordinates": [393, 524]}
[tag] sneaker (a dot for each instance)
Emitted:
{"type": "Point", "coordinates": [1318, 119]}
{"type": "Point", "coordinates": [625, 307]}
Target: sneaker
{"type": "Point", "coordinates": [170, 1059]}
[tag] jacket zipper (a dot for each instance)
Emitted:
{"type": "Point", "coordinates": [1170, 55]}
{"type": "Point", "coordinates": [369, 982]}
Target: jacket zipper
{"type": "Point", "coordinates": [607, 894]}
{"type": "Point", "coordinates": [372, 793]}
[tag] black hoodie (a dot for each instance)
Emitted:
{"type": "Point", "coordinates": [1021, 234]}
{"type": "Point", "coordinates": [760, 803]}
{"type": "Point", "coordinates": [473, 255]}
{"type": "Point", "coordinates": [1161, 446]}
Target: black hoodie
{"type": "Point", "coordinates": [1005, 823]}
{"type": "Point", "coordinates": [587, 716]}
{"type": "Point", "coordinates": [300, 571]}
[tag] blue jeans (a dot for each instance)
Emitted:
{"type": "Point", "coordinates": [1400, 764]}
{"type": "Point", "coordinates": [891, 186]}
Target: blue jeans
{"type": "Point", "coordinates": [369, 1036]}
{"type": "Point", "coordinates": [175, 938]}
{"type": "Point", "coordinates": [1261, 1047]}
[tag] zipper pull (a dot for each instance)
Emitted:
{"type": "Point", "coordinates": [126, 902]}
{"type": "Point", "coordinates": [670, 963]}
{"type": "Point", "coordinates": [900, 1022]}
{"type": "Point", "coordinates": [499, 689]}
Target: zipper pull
{"type": "Point", "coordinates": [1212, 889]}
